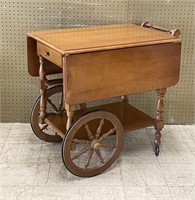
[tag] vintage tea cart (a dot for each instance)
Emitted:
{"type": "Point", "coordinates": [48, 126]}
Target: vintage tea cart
{"type": "Point", "coordinates": [99, 62]}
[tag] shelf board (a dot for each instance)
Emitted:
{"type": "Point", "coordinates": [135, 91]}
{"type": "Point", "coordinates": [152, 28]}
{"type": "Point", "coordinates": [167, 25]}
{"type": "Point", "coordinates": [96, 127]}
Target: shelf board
{"type": "Point", "coordinates": [130, 117]}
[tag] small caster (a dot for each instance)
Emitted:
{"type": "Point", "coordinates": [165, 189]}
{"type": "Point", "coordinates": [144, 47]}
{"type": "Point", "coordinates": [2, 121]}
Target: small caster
{"type": "Point", "coordinates": [157, 150]}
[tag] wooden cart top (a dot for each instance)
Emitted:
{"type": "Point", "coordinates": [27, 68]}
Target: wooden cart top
{"type": "Point", "coordinates": [95, 38]}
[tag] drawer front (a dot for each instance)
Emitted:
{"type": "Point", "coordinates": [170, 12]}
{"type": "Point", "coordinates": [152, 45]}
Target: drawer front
{"type": "Point", "coordinates": [49, 54]}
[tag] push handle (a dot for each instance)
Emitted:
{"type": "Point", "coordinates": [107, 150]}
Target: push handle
{"type": "Point", "coordinates": [174, 32]}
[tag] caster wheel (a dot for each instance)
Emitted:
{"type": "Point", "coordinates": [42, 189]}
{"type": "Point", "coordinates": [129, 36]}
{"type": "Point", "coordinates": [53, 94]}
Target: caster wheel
{"type": "Point", "coordinates": [92, 143]}
{"type": "Point", "coordinates": [54, 97]}
{"type": "Point", "coordinates": [157, 150]}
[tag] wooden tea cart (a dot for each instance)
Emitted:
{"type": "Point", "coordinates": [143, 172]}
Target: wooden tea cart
{"type": "Point", "coordinates": [97, 63]}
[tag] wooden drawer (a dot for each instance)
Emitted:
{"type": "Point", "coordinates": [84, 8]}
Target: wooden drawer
{"type": "Point", "coordinates": [49, 54]}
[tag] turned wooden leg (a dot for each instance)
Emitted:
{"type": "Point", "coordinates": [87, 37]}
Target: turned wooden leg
{"type": "Point", "coordinates": [43, 89]}
{"type": "Point", "coordinates": [70, 109]}
{"type": "Point", "coordinates": [159, 123]}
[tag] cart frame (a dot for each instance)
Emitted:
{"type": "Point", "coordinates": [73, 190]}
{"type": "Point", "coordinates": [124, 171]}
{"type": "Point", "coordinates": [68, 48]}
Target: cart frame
{"type": "Point", "coordinates": [94, 74]}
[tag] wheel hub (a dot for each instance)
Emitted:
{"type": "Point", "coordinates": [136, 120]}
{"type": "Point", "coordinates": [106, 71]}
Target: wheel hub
{"type": "Point", "coordinates": [95, 144]}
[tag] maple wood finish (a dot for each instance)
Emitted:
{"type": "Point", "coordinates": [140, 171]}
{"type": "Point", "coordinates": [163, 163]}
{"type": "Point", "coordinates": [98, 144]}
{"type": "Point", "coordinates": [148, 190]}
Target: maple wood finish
{"type": "Point", "coordinates": [118, 72]}
{"type": "Point", "coordinates": [100, 62]}
{"type": "Point", "coordinates": [33, 60]}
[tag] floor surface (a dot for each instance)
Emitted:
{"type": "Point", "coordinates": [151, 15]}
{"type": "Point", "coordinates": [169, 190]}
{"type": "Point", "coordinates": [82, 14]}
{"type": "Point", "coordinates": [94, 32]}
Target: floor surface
{"type": "Point", "coordinates": [33, 170]}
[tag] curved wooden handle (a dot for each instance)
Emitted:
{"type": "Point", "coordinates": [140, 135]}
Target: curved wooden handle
{"type": "Point", "coordinates": [174, 32]}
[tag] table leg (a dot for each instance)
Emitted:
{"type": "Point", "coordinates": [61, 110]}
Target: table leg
{"type": "Point", "coordinates": [159, 122]}
{"type": "Point", "coordinates": [70, 109]}
{"type": "Point", "coordinates": [43, 89]}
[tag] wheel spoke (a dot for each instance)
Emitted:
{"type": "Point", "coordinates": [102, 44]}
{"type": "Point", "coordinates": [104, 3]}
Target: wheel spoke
{"type": "Point", "coordinates": [107, 145]}
{"type": "Point", "coordinates": [99, 155]}
{"type": "Point", "coordinates": [99, 129]}
{"type": "Point", "coordinates": [89, 133]}
{"type": "Point", "coordinates": [84, 150]}
{"type": "Point", "coordinates": [61, 102]}
{"type": "Point", "coordinates": [52, 104]}
{"type": "Point", "coordinates": [107, 134]}
{"type": "Point", "coordinates": [89, 158]}
{"type": "Point", "coordinates": [77, 141]}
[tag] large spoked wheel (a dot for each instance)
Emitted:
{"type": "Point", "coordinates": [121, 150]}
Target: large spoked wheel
{"type": "Point", "coordinates": [92, 144]}
{"type": "Point", "coordinates": [54, 97]}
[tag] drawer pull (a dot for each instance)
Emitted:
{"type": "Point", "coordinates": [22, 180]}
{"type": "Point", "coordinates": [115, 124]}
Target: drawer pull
{"type": "Point", "coordinates": [47, 53]}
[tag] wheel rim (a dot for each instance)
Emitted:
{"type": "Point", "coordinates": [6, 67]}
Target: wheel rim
{"type": "Point", "coordinates": [55, 106]}
{"type": "Point", "coordinates": [97, 148]}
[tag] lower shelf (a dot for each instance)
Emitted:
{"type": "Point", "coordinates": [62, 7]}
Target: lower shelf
{"type": "Point", "coordinates": [130, 117]}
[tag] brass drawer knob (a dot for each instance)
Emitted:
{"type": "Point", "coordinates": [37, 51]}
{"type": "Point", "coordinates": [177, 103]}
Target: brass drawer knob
{"type": "Point", "coordinates": [47, 53]}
